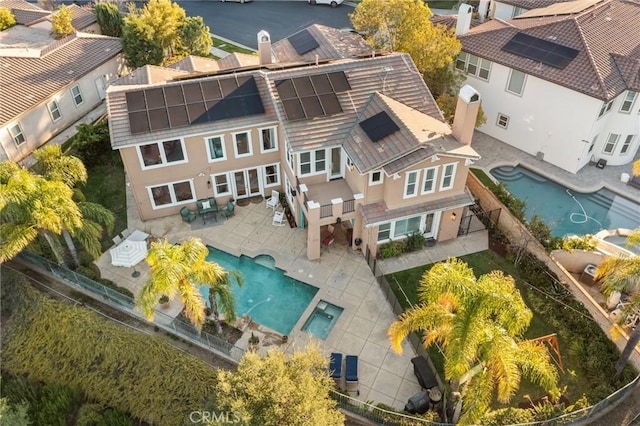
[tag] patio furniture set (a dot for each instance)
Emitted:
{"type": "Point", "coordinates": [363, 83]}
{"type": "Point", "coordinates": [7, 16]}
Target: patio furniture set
{"type": "Point", "coordinates": [207, 207]}
{"type": "Point", "coordinates": [351, 372]}
{"type": "Point", "coordinates": [129, 250]}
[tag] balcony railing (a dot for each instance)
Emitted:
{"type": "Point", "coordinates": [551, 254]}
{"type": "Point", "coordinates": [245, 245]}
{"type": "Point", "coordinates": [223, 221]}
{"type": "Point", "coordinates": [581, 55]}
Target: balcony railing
{"type": "Point", "coordinates": [326, 210]}
{"type": "Point", "coordinates": [348, 206]}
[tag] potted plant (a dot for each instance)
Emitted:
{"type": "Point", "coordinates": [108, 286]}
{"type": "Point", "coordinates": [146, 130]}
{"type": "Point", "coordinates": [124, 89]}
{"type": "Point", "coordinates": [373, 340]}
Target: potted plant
{"type": "Point", "coordinates": [254, 341]}
{"type": "Point", "coordinates": [285, 338]}
{"type": "Point", "coordinates": [164, 301]}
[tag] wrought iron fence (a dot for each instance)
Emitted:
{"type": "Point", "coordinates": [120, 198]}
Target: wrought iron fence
{"type": "Point", "coordinates": [326, 210]}
{"type": "Point", "coordinates": [123, 302]}
{"type": "Point", "coordinates": [348, 206]}
{"type": "Point", "coordinates": [478, 220]}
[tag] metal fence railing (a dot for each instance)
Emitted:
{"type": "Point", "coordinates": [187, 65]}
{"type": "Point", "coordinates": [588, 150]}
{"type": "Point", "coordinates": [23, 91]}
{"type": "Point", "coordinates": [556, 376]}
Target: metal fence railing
{"type": "Point", "coordinates": [348, 206]}
{"type": "Point", "coordinates": [123, 302]}
{"type": "Point", "coordinates": [326, 210]}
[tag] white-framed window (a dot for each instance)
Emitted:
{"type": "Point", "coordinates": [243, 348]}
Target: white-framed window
{"type": "Point", "coordinates": [610, 146]}
{"type": "Point", "coordinates": [627, 103]}
{"type": "Point", "coordinates": [313, 162]}
{"type": "Point", "coordinates": [516, 81]}
{"type": "Point", "coordinates": [376, 177]}
{"type": "Point", "coordinates": [77, 95]}
{"type": "Point", "coordinates": [517, 11]}
{"type": "Point", "coordinates": [289, 155]}
{"type": "Point", "coordinates": [411, 184]}
{"type": "Point", "coordinates": [268, 139]}
{"type": "Point", "coordinates": [429, 180]}
{"type": "Point", "coordinates": [627, 144]}
{"type": "Point", "coordinates": [16, 134]}
{"type": "Point", "coordinates": [171, 194]}
{"type": "Point", "coordinates": [54, 111]}
{"type": "Point", "coordinates": [272, 175]}
{"type": "Point", "coordinates": [473, 65]}
{"type": "Point", "coordinates": [215, 148]}
{"type": "Point", "coordinates": [384, 231]}
{"type": "Point", "coordinates": [400, 228]}
{"type": "Point", "coordinates": [160, 154]}
{"type": "Point", "coordinates": [605, 108]}
{"type": "Point", "coordinates": [502, 121]}
{"type": "Point", "coordinates": [242, 144]}
{"type": "Point", "coordinates": [448, 176]}
{"type": "Point", "coordinates": [349, 163]}
{"type": "Point", "coordinates": [221, 184]}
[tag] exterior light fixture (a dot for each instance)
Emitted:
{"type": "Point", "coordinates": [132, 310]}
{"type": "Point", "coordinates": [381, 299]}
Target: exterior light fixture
{"type": "Point", "coordinates": [453, 216]}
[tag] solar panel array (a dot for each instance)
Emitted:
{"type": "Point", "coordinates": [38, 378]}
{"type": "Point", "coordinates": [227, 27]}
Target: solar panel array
{"type": "Point", "coordinates": [192, 103]}
{"type": "Point", "coordinates": [379, 126]}
{"type": "Point", "coordinates": [312, 96]}
{"type": "Point", "coordinates": [539, 50]}
{"type": "Point", "coordinates": [303, 42]}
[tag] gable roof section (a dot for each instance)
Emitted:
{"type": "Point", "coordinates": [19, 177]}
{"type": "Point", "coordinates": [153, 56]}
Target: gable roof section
{"type": "Point", "coordinates": [238, 60]}
{"type": "Point", "coordinates": [28, 16]}
{"type": "Point", "coordinates": [196, 64]}
{"type": "Point", "coordinates": [148, 74]}
{"type": "Point", "coordinates": [531, 4]}
{"type": "Point", "coordinates": [603, 34]}
{"type": "Point", "coordinates": [26, 82]}
{"type": "Point", "coordinates": [332, 44]}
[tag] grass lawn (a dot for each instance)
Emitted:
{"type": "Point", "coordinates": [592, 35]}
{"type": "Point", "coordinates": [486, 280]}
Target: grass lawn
{"type": "Point", "coordinates": [441, 4]}
{"type": "Point", "coordinates": [481, 263]}
{"type": "Point", "coordinates": [230, 47]}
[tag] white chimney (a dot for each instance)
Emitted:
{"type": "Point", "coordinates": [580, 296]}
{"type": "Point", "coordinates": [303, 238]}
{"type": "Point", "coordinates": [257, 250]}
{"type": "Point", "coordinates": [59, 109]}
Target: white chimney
{"type": "Point", "coordinates": [483, 9]}
{"type": "Point", "coordinates": [264, 47]}
{"type": "Point", "coordinates": [464, 120]}
{"type": "Point", "coordinates": [464, 19]}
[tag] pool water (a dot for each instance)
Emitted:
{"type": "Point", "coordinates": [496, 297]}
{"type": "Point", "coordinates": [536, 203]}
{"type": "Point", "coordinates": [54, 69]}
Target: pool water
{"type": "Point", "coordinates": [322, 319]}
{"type": "Point", "coordinates": [566, 211]}
{"type": "Point", "coordinates": [268, 296]}
{"type": "Point", "coordinates": [621, 241]}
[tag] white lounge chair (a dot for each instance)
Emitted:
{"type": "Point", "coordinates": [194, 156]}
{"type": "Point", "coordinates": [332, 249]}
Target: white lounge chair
{"type": "Point", "coordinates": [278, 219]}
{"type": "Point", "coordinates": [116, 240]}
{"type": "Point", "coordinates": [274, 201]}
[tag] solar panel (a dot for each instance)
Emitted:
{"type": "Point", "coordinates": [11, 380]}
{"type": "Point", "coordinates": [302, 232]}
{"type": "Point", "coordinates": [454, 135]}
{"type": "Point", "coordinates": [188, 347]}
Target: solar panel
{"type": "Point", "coordinates": [339, 81]}
{"type": "Point", "coordinates": [135, 101]}
{"type": "Point", "coordinates": [321, 84]}
{"type": "Point", "coordinates": [211, 90]}
{"type": "Point", "coordinates": [254, 104]}
{"type": "Point", "coordinates": [158, 119]}
{"type": "Point", "coordinates": [228, 86]}
{"type": "Point", "coordinates": [330, 104]}
{"type": "Point", "coordinates": [293, 109]}
{"type": "Point", "coordinates": [155, 98]}
{"type": "Point", "coordinates": [178, 116]}
{"type": "Point", "coordinates": [285, 89]}
{"type": "Point", "coordinates": [192, 92]}
{"type": "Point", "coordinates": [246, 86]}
{"type": "Point", "coordinates": [312, 107]}
{"type": "Point", "coordinates": [303, 42]}
{"type": "Point", "coordinates": [539, 50]}
{"type": "Point", "coordinates": [196, 111]}
{"type": "Point", "coordinates": [173, 95]}
{"type": "Point", "coordinates": [138, 122]}
{"type": "Point", "coordinates": [379, 126]}
{"type": "Point", "coordinates": [303, 86]}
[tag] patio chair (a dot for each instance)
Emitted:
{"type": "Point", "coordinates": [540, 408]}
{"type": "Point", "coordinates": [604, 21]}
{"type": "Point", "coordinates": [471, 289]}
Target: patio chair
{"type": "Point", "coordinates": [116, 240]}
{"type": "Point", "coordinates": [278, 218]}
{"type": "Point", "coordinates": [335, 367]}
{"type": "Point", "coordinates": [187, 215]}
{"type": "Point", "coordinates": [228, 210]}
{"type": "Point", "coordinates": [351, 374]}
{"type": "Point", "coordinates": [125, 233]}
{"type": "Point", "coordinates": [274, 201]}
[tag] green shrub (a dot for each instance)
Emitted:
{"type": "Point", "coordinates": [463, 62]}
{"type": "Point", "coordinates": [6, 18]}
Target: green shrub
{"type": "Point", "coordinates": [92, 142]}
{"type": "Point", "coordinates": [116, 287]}
{"type": "Point", "coordinates": [97, 415]}
{"type": "Point", "coordinates": [7, 20]}
{"type": "Point", "coordinates": [57, 405]}
{"type": "Point", "coordinates": [507, 416]}
{"type": "Point", "coordinates": [91, 272]}
{"type": "Point", "coordinates": [542, 233]}
{"type": "Point", "coordinates": [516, 206]}
{"type": "Point", "coordinates": [415, 242]}
{"type": "Point", "coordinates": [574, 242]}
{"type": "Point", "coordinates": [392, 249]}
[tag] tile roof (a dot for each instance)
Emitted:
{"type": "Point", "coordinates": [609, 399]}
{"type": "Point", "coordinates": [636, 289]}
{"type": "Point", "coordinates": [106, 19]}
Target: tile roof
{"type": "Point", "coordinates": [450, 21]}
{"type": "Point", "coordinates": [28, 16]}
{"type": "Point", "coordinates": [531, 4]}
{"type": "Point", "coordinates": [378, 212]}
{"type": "Point", "coordinates": [26, 13]}
{"type": "Point", "coordinates": [238, 60]}
{"type": "Point", "coordinates": [19, 4]}
{"type": "Point", "coordinates": [81, 17]}
{"type": "Point", "coordinates": [27, 81]}
{"type": "Point", "coordinates": [149, 74]}
{"type": "Point", "coordinates": [196, 64]}
{"type": "Point", "coordinates": [333, 44]}
{"type": "Point", "coordinates": [606, 36]}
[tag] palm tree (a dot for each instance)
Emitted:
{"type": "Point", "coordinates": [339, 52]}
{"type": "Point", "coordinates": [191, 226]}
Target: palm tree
{"type": "Point", "coordinates": [54, 165]}
{"type": "Point", "coordinates": [636, 168]}
{"type": "Point", "coordinates": [32, 206]}
{"type": "Point", "coordinates": [178, 270]}
{"type": "Point", "coordinates": [616, 272]}
{"type": "Point", "coordinates": [479, 324]}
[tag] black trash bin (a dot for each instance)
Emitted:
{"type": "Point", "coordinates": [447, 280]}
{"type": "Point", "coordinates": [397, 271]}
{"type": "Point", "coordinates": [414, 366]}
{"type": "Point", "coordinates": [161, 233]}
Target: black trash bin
{"type": "Point", "coordinates": [418, 403]}
{"type": "Point", "coordinates": [425, 375]}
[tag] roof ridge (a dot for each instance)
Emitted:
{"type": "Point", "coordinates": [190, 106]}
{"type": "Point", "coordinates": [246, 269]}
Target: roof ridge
{"type": "Point", "coordinates": [592, 62]}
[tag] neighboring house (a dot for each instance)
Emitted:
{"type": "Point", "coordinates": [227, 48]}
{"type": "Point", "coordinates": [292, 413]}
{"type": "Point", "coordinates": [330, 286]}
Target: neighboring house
{"type": "Point", "coordinates": [349, 137]}
{"type": "Point", "coordinates": [561, 83]}
{"type": "Point", "coordinates": [46, 85]}
{"type": "Point", "coordinates": [507, 9]}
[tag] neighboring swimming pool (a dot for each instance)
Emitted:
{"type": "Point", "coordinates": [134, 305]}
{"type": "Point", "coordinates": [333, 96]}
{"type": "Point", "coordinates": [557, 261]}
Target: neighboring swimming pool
{"type": "Point", "coordinates": [566, 211]}
{"type": "Point", "coordinates": [268, 296]}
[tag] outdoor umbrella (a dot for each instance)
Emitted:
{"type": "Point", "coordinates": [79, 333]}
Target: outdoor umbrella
{"type": "Point", "coordinates": [129, 253]}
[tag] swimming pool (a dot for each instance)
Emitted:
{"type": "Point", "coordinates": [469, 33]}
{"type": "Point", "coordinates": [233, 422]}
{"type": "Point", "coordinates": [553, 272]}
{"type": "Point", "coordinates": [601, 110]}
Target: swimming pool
{"type": "Point", "coordinates": [566, 211]}
{"type": "Point", "coordinates": [322, 319]}
{"type": "Point", "coordinates": [268, 296]}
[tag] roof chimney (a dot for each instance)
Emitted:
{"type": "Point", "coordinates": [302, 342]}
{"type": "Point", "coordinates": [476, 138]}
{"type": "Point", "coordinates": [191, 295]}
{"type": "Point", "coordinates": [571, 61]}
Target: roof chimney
{"type": "Point", "coordinates": [464, 120]}
{"type": "Point", "coordinates": [464, 19]}
{"type": "Point", "coordinates": [264, 47]}
{"type": "Point", "coordinates": [483, 10]}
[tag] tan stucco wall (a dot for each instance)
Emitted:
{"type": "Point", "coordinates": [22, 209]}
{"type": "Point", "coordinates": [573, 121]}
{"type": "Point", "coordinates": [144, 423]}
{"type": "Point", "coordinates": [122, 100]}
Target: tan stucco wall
{"type": "Point", "coordinates": [37, 125]}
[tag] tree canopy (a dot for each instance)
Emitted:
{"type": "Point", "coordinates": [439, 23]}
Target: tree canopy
{"type": "Point", "coordinates": [160, 31]}
{"type": "Point", "coordinates": [277, 390]}
{"type": "Point", "coordinates": [404, 26]}
{"type": "Point", "coordinates": [7, 20]}
{"type": "Point", "coordinates": [479, 324]}
{"type": "Point", "coordinates": [61, 22]}
{"type": "Point", "coordinates": [109, 18]}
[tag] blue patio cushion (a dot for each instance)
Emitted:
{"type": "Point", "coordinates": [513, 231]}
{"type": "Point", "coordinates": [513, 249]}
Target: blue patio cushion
{"type": "Point", "coordinates": [336, 365]}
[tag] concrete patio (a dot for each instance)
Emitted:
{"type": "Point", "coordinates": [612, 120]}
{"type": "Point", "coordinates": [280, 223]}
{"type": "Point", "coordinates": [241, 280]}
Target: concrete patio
{"type": "Point", "coordinates": [341, 275]}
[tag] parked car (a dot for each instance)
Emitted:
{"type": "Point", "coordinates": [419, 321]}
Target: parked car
{"type": "Point", "coordinates": [333, 3]}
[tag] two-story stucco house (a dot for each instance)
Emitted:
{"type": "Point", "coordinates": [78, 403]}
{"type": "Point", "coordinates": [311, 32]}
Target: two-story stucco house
{"type": "Point", "coordinates": [46, 85]}
{"type": "Point", "coordinates": [351, 137]}
{"type": "Point", "coordinates": [561, 82]}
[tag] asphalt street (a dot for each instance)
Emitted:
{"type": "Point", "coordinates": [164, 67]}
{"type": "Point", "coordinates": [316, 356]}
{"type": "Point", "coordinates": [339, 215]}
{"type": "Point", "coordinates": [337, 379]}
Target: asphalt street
{"type": "Point", "coordinates": [241, 22]}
